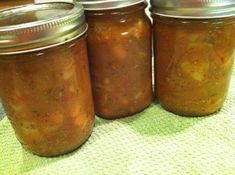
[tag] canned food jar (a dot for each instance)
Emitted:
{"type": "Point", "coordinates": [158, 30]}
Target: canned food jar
{"type": "Point", "coordinates": [44, 76]}
{"type": "Point", "coordinates": [119, 48]}
{"type": "Point", "coordinates": [194, 54]}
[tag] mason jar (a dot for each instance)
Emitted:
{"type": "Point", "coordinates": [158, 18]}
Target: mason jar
{"type": "Point", "coordinates": [194, 44]}
{"type": "Point", "coordinates": [119, 49]}
{"type": "Point", "coordinates": [44, 76]}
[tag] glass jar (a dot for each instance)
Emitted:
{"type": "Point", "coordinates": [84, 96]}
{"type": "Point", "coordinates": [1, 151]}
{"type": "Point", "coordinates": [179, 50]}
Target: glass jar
{"type": "Point", "coordinates": [194, 53]}
{"type": "Point", "coordinates": [44, 76]}
{"type": "Point", "coordinates": [119, 48]}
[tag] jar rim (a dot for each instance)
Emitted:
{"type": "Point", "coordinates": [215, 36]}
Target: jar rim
{"type": "Point", "coordinates": [45, 47]}
{"type": "Point", "coordinates": [191, 9]}
{"type": "Point", "coordinates": [97, 5]}
{"type": "Point", "coordinates": [40, 25]}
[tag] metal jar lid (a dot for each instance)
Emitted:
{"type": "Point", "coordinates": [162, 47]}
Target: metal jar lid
{"type": "Point", "coordinates": [193, 9]}
{"type": "Point", "coordinates": [107, 4]}
{"type": "Point", "coordinates": [39, 26]}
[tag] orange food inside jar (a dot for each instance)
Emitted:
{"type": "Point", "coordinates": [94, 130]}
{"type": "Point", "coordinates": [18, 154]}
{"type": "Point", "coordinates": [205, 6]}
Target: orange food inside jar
{"type": "Point", "coordinates": [47, 96]}
{"type": "Point", "coordinates": [193, 62]}
{"type": "Point", "coordinates": [119, 47]}
{"type": "Point", "coordinates": [12, 3]}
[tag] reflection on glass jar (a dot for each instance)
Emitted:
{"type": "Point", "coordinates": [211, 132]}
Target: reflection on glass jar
{"type": "Point", "coordinates": [193, 62]}
{"type": "Point", "coordinates": [119, 45]}
{"type": "Point", "coordinates": [46, 90]}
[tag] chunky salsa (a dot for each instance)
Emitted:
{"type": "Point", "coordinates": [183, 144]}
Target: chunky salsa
{"type": "Point", "coordinates": [119, 44]}
{"type": "Point", "coordinates": [193, 63]}
{"type": "Point", "coordinates": [47, 97]}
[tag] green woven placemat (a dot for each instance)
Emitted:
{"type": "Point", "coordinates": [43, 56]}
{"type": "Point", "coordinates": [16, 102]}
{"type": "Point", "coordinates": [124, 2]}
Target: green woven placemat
{"type": "Point", "coordinates": [154, 142]}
